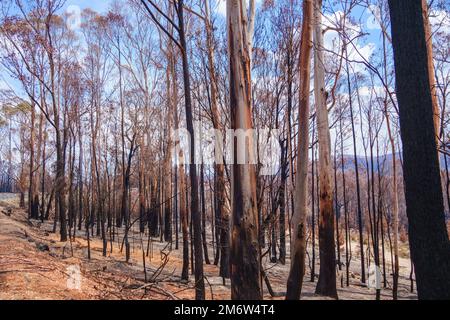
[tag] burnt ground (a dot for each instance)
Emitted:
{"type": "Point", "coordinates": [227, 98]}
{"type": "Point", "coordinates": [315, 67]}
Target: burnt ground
{"type": "Point", "coordinates": [34, 264]}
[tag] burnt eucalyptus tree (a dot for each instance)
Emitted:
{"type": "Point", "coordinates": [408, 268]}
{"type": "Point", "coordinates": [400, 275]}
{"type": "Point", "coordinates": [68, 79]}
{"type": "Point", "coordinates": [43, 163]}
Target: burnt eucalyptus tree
{"type": "Point", "coordinates": [428, 238]}
{"type": "Point", "coordinates": [326, 284]}
{"type": "Point", "coordinates": [298, 243]}
{"type": "Point", "coordinates": [181, 43]}
{"type": "Point", "coordinates": [219, 181]}
{"type": "Point", "coordinates": [245, 251]}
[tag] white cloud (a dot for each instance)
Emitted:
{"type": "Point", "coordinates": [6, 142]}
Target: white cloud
{"type": "Point", "coordinates": [440, 21]}
{"type": "Point", "coordinates": [357, 51]}
{"type": "Point", "coordinates": [374, 17]}
{"type": "Point", "coordinates": [361, 53]}
{"type": "Point", "coordinates": [375, 91]}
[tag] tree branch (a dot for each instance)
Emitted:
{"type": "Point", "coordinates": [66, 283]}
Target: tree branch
{"type": "Point", "coordinates": [161, 26]}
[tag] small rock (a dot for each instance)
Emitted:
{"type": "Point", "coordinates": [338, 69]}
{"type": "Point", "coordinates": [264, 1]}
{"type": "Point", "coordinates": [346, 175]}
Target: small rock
{"type": "Point", "coordinates": [42, 247]}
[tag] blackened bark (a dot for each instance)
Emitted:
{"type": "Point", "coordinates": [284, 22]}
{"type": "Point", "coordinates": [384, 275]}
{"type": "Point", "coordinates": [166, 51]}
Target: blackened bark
{"type": "Point", "coordinates": [203, 198]}
{"type": "Point", "coordinates": [358, 188]}
{"type": "Point", "coordinates": [282, 202]}
{"type": "Point", "coordinates": [184, 221]}
{"type": "Point", "coordinates": [429, 242]}
{"type": "Point", "coordinates": [195, 212]}
{"type": "Point", "coordinates": [153, 211]}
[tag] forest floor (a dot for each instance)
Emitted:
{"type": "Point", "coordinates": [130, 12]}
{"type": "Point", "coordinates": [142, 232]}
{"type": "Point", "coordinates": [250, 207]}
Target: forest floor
{"type": "Point", "coordinates": [34, 264]}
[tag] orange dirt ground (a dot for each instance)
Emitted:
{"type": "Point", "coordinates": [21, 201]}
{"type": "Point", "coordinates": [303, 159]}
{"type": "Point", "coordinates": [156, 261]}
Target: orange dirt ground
{"type": "Point", "coordinates": [29, 271]}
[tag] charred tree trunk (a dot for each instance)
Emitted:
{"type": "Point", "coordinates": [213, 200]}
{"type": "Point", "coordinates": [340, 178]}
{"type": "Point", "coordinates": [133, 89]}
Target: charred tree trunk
{"type": "Point", "coordinates": [125, 203]}
{"type": "Point", "coordinates": [33, 212]}
{"type": "Point", "coordinates": [60, 175]}
{"type": "Point", "coordinates": [429, 242]}
{"type": "Point", "coordinates": [221, 211]}
{"type": "Point", "coordinates": [195, 212]}
{"type": "Point", "coordinates": [337, 207]}
{"type": "Point", "coordinates": [167, 158]}
{"type": "Point", "coordinates": [184, 221]}
{"type": "Point", "coordinates": [282, 201]}
{"type": "Point", "coordinates": [358, 187]}
{"type": "Point", "coordinates": [203, 198]}
{"type": "Point", "coordinates": [346, 218]}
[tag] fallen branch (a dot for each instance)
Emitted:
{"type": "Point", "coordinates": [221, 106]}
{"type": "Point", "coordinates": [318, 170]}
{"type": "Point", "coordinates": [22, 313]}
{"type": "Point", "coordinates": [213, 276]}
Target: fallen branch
{"type": "Point", "coordinates": [269, 287]}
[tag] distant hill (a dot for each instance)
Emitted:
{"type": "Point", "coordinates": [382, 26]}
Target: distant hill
{"type": "Point", "coordinates": [385, 162]}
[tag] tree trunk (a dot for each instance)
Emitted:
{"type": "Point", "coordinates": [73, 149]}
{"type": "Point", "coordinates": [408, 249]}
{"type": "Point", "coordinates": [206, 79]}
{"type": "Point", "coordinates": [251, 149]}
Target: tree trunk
{"type": "Point", "coordinates": [203, 198]}
{"type": "Point", "coordinates": [167, 158]}
{"type": "Point", "coordinates": [32, 208]}
{"type": "Point", "coordinates": [141, 189]}
{"type": "Point", "coordinates": [326, 284]}
{"type": "Point", "coordinates": [395, 271]}
{"type": "Point", "coordinates": [223, 221]}
{"type": "Point", "coordinates": [338, 215]}
{"type": "Point", "coordinates": [313, 210]}
{"type": "Point", "coordinates": [125, 203]}
{"type": "Point", "coordinates": [431, 75]}
{"type": "Point", "coordinates": [282, 202]}
{"type": "Point", "coordinates": [358, 188]}
{"type": "Point", "coordinates": [245, 251]}
{"type": "Point", "coordinates": [195, 212]}
{"type": "Point", "coordinates": [60, 177]}
{"type": "Point", "coordinates": [298, 242]}
{"type": "Point", "coordinates": [184, 221]}
{"type": "Point", "coordinates": [346, 219]}
{"type": "Point", "coordinates": [429, 242]}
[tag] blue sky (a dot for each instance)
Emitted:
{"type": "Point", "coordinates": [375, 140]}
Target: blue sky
{"type": "Point", "coordinates": [97, 5]}
{"type": "Point", "coordinates": [367, 45]}
{"type": "Point", "coordinates": [364, 20]}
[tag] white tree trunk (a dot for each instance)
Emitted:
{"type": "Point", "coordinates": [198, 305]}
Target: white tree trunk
{"type": "Point", "coordinates": [245, 251]}
{"type": "Point", "coordinates": [298, 241]}
{"type": "Point", "coordinates": [327, 276]}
